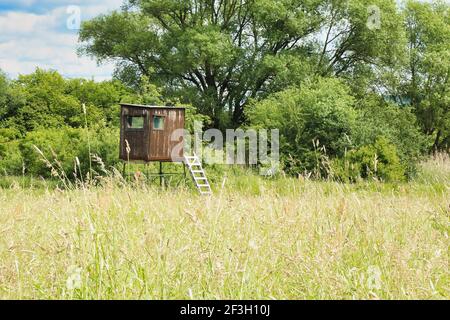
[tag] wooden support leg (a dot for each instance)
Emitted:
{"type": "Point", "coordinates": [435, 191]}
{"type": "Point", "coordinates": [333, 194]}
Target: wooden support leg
{"type": "Point", "coordinates": [160, 174]}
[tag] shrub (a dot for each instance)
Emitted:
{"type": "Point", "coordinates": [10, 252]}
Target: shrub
{"type": "Point", "coordinates": [10, 157]}
{"type": "Point", "coordinates": [320, 122]}
{"type": "Point", "coordinates": [320, 113]}
{"type": "Point", "coordinates": [379, 160]}
{"type": "Point", "coordinates": [62, 147]}
{"type": "Point", "coordinates": [376, 118]}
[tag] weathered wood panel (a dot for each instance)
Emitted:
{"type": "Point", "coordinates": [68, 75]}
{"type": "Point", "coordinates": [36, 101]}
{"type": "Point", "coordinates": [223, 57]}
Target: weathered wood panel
{"type": "Point", "coordinates": [161, 145]}
{"type": "Point", "coordinates": [137, 138]}
{"type": "Point", "coordinates": [149, 143]}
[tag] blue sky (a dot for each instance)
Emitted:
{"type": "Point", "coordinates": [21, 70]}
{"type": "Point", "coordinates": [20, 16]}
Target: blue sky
{"type": "Point", "coordinates": [35, 33]}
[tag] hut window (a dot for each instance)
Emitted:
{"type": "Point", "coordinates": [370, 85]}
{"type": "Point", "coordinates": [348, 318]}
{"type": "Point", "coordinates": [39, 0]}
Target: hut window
{"type": "Point", "coordinates": [135, 122]}
{"type": "Point", "coordinates": [158, 123]}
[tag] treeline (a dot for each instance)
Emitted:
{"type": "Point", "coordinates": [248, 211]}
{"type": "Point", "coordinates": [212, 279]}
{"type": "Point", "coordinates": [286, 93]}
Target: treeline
{"type": "Point", "coordinates": [69, 122]}
{"type": "Point", "coordinates": [45, 110]}
{"type": "Point", "coordinates": [358, 88]}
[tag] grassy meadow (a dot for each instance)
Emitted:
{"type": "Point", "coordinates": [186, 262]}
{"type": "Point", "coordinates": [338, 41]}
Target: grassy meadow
{"type": "Point", "coordinates": [253, 239]}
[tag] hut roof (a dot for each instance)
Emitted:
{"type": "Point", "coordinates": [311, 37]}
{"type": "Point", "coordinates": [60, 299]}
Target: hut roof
{"type": "Point", "coordinates": [150, 107]}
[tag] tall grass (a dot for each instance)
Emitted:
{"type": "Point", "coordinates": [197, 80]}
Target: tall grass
{"type": "Point", "coordinates": [254, 238]}
{"type": "Point", "coordinates": [436, 169]}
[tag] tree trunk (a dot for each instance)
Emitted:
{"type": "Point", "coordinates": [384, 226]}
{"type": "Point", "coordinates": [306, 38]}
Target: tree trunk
{"type": "Point", "coordinates": [436, 142]}
{"type": "Point", "coordinates": [238, 115]}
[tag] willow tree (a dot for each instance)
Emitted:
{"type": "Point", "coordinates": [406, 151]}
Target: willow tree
{"type": "Point", "coordinates": [219, 54]}
{"type": "Point", "coordinates": [427, 75]}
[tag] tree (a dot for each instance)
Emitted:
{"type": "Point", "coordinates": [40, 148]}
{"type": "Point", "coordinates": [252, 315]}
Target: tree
{"type": "Point", "coordinates": [221, 53]}
{"type": "Point", "coordinates": [101, 98]}
{"type": "Point", "coordinates": [44, 99]}
{"type": "Point", "coordinates": [358, 33]}
{"type": "Point", "coordinates": [3, 94]}
{"type": "Point", "coordinates": [38, 101]}
{"type": "Point", "coordinates": [318, 115]}
{"type": "Point", "coordinates": [377, 160]}
{"type": "Point", "coordinates": [398, 124]}
{"type": "Point", "coordinates": [426, 78]}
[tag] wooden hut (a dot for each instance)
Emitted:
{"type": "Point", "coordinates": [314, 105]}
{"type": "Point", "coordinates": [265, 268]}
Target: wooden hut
{"type": "Point", "coordinates": [145, 133]}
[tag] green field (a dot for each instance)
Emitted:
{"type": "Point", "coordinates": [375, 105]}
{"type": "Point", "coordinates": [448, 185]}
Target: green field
{"type": "Point", "coordinates": [254, 239]}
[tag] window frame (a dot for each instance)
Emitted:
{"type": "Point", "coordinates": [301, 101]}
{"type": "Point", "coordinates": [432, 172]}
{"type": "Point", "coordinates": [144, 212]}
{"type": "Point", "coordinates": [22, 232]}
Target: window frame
{"type": "Point", "coordinates": [127, 123]}
{"type": "Point", "coordinates": [163, 117]}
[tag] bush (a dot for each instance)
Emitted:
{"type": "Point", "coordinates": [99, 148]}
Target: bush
{"type": "Point", "coordinates": [319, 115]}
{"type": "Point", "coordinates": [44, 99]}
{"type": "Point", "coordinates": [379, 160]}
{"type": "Point", "coordinates": [62, 147]}
{"type": "Point", "coordinates": [10, 157]}
{"type": "Point", "coordinates": [398, 125]}
{"type": "Point", "coordinates": [320, 125]}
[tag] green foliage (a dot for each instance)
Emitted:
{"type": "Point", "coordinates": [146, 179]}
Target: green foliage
{"type": "Point", "coordinates": [359, 33]}
{"type": "Point", "coordinates": [10, 157]}
{"type": "Point", "coordinates": [45, 110]}
{"type": "Point", "coordinates": [218, 54]}
{"type": "Point", "coordinates": [398, 124]}
{"type": "Point", "coordinates": [379, 160]}
{"type": "Point", "coordinates": [320, 71]}
{"type": "Point", "coordinates": [215, 54]}
{"type": "Point", "coordinates": [43, 102]}
{"type": "Point", "coordinates": [192, 116]}
{"type": "Point", "coordinates": [318, 122]}
{"type": "Point", "coordinates": [3, 92]}
{"type": "Point", "coordinates": [9, 134]}
{"type": "Point", "coordinates": [318, 114]}
{"type": "Point", "coordinates": [101, 99]}
{"type": "Point", "coordinates": [148, 93]}
{"type": "Point", "coordinates": [427, 74]}
{"type": "Point", "coordinates": [63, 147]}
{"type": "Point", "coordinates": [44, 99]}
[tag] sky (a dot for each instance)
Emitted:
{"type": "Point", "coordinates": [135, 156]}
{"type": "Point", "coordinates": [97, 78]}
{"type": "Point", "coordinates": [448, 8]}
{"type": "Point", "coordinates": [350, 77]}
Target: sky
{"type": "Point", "coordinates": [44, 33]}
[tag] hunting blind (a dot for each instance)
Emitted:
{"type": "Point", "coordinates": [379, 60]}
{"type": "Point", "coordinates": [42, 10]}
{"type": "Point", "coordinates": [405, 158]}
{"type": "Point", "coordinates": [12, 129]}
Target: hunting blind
{"type": "Point", "coordinates": [146, 132]}
{"type": "Point", "coordinates": [146, 135]}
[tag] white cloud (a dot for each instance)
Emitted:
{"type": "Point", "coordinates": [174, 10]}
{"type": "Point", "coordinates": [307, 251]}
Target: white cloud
{"type": "Point", "coordinates": [18, 23]}
{"type": "Point", "coordinates": [29, 40]}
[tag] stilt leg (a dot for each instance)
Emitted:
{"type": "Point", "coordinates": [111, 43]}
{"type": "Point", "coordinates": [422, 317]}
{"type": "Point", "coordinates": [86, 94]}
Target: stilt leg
{"type": "Point", "coordinates": [160, 174]}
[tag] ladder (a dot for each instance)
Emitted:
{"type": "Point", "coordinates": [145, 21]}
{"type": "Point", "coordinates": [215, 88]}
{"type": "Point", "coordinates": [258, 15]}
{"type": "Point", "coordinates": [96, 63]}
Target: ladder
{"type": "Point", "coordinates": [198, 174]}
